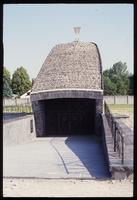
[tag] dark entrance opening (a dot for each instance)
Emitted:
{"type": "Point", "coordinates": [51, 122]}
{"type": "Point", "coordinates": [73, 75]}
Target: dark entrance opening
{"type": "Point", "coordinates": [69, 116]}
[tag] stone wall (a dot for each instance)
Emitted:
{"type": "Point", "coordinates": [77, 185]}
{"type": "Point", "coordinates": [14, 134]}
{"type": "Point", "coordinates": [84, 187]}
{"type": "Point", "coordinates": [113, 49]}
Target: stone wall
{"type": "Point", "coordinates": [39, 114]}
{"type": "Point", "coordinates": [39, 117]}
{"type": "Point", "coordinates": [99, 111]}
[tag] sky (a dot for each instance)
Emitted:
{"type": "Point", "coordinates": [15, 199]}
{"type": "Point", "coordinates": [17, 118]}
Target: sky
{"type": "Point", "coordinates": [30, 31]}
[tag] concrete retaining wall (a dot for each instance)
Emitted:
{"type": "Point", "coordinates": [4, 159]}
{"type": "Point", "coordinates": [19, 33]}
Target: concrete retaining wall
{"type": "Point", "coordinates": [117, 169]}
{"type": "Point", "coordinates": [13, 116]}
{"type": "Point", "coordinates": [119, 99]}
{"type": "Point", "coordinates": [17, 101]}
{"type": "Point", "coordinates": [18, 130]}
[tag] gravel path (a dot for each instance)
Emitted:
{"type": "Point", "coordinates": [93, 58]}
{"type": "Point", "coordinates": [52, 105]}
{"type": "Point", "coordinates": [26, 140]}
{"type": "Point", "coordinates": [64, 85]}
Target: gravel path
{"type": "Point", "coordinates": [66, 188]}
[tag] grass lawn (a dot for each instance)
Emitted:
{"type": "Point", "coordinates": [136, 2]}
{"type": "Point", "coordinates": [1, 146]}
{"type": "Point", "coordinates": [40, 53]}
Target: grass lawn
{"type": "Point", "coordinates": [121, 108]}
{"type": "Point", "coordinates": [26, 109]}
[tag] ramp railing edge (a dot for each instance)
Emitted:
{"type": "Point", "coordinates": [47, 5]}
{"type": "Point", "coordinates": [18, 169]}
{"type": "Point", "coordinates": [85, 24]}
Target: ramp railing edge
{"type": "Point", "coordinates": [116, 131]}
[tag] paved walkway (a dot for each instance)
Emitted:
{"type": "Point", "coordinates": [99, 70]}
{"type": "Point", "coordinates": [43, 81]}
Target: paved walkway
{"type": "Point", "coordinates": [56, 157]}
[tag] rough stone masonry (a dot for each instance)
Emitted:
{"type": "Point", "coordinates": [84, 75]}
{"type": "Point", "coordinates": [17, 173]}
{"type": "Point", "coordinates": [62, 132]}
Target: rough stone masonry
{"type": "Point", "coordinates": [71, 70]}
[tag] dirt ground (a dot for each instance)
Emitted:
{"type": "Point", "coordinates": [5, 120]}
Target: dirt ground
{"type": "Point", "coordinates": [66, 188]}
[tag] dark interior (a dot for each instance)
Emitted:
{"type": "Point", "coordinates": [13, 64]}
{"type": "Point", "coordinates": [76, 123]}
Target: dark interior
{"type": "Point", "coordinates": [69, 116]}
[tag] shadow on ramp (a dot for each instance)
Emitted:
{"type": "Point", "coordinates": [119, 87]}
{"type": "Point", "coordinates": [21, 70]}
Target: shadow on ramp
{"type": "Point", "coordinates": [89, 151]}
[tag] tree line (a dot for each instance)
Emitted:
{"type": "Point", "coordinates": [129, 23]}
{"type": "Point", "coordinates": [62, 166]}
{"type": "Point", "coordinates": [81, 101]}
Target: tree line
{"type": "Point", "coordinates": [116, 81]}
{"type": "Point", "coordinates": [18, 84]}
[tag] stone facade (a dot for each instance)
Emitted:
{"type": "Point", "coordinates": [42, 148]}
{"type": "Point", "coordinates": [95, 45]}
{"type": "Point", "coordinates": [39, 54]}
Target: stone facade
{"type": "Point", "coordinates": [38, 106]}
{"type": "Point", "coordinates": [71, 70]}
{"type": "Point", "coordinates": [71, 65]}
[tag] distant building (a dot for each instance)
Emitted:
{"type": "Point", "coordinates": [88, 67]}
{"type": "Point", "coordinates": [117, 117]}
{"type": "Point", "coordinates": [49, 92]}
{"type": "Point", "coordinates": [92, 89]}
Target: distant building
{"type": "Point", "coordinates": [25, 95]}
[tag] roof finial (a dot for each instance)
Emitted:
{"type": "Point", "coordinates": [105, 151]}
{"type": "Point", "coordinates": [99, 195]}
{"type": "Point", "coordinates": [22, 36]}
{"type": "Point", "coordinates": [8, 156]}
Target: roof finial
{"type": "Point", "coordinates": [77, 31]}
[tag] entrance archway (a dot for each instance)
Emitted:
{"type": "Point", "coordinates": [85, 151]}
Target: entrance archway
{"type": "Point", "coordinates": [69, 116]}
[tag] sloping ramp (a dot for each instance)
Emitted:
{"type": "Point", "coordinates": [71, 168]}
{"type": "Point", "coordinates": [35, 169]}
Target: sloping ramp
{"type": "Point", "coordinates": [57, 157]}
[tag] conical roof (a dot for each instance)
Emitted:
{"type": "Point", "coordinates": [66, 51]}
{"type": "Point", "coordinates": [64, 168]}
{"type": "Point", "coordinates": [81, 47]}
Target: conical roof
{"type": "Point", "coordinates": [71, 65]}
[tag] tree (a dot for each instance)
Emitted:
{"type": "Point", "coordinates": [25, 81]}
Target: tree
{"type": "Point", "coordinates": [7, 91]}
{"type": "Point", "coordinates": [7, 75]}
{"type": "Point", "coordinates": [20, 81]}
{"type": "Point", "coordinates": [119, 76]}
{"type": "Point", "coordinates": [109, 87]}
{"type": "Point", "coordinates": [116, 79]}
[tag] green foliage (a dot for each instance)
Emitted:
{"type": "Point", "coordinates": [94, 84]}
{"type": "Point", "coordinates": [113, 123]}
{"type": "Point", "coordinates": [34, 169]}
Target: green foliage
{"type": "Point", "coordinates": [7, 75]}
{"type": "Point", "coordinates": [18, 108]}
{"type": "Point", "coordinates": [7, 91]}
{"type": "Point", "coordinates": [116, 80]}
{"type": "Point", "coordinates": [20, 81]}
{"type": "Point", "coordinates": [109, 87]}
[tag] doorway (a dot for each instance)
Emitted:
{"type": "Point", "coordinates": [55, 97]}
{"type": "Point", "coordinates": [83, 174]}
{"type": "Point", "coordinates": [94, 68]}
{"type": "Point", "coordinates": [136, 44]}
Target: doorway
{"type": "Point", "coordinates": [69, 116]}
